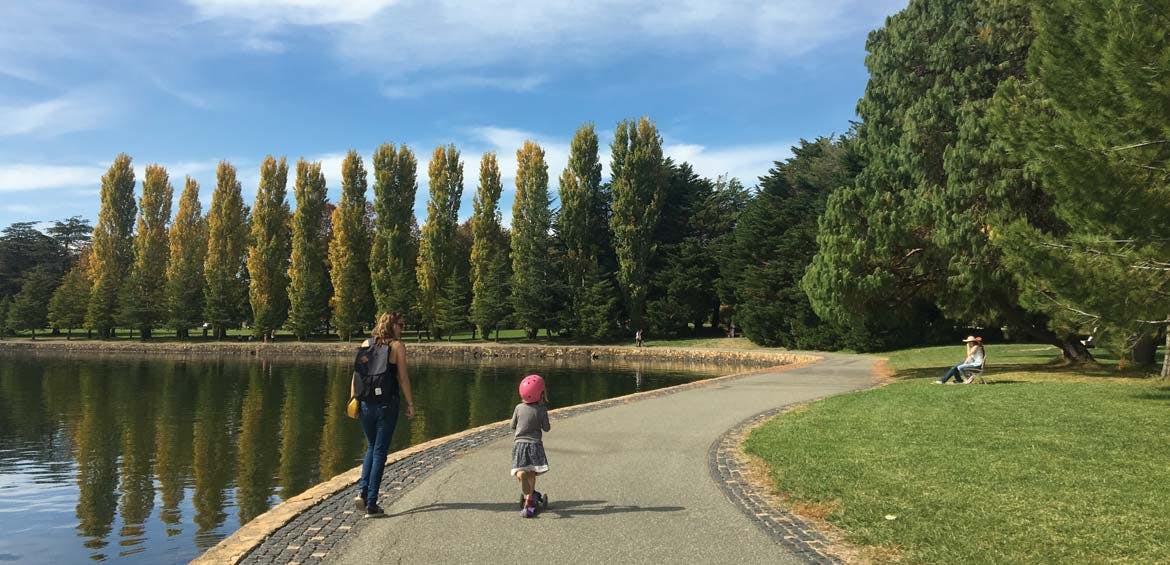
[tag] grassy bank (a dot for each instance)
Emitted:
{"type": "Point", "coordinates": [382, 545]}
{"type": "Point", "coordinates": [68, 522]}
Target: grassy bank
{"type": "Point", "coordinates": [1046, 464]}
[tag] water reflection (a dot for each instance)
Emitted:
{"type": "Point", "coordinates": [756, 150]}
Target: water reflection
{"type": "Point", "coordinates": [154, 460]}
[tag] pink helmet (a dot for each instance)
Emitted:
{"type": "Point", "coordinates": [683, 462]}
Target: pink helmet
{"type": "Point", "coordinates": [531, 388]}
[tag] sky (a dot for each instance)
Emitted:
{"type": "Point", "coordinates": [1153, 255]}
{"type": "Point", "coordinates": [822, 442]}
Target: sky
{"type": "Point", "coordinates": [731, 85]}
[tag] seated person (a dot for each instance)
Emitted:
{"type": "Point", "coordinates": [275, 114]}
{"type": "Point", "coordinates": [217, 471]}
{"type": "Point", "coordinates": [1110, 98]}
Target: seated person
{"type": "Point", "coordinates": [974, 360]}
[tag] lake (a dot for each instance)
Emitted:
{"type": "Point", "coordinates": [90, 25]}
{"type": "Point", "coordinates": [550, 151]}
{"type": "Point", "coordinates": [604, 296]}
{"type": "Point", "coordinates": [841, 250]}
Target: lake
{"type": "Point", "coordinates": [154, 459]}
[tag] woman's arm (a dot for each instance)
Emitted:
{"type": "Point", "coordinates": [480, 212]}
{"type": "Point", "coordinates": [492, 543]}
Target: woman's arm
{"type": "Point", "coordinates": [399, 353]}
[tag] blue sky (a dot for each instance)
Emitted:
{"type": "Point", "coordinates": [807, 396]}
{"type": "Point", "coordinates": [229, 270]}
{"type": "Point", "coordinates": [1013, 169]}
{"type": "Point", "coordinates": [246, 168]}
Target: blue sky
{"type": "Point", "coordinates": [732, 85]}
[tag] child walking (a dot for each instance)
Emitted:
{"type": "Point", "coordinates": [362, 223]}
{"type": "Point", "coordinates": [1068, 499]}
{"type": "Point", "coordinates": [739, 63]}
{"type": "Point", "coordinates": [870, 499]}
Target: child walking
{"type": "Point", "coordinates": [530, 420]}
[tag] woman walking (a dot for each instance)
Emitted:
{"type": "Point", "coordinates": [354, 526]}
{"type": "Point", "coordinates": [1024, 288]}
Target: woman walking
{"type": "Point", "coordinates": [378, 406]}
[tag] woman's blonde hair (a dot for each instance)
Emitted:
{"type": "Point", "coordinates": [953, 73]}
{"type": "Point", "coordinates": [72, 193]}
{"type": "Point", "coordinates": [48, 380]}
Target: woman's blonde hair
{"type": "Point", "coordinates": [388, 327]}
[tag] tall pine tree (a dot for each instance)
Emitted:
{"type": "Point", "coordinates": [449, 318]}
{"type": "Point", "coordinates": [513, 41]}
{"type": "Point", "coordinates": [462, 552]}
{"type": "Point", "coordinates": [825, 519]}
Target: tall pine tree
{"type": "Point", "coordinates": [639, 185]}
{"type": "Point", "coordinates": [308, 279]}
{"type": "Point", "coordinates": [144, 294]}
{"type": "Point", "coordinates": [349, 251]}
{"type": "Point", "coordinates": [226, 291]}
{"type": "Point", "coordinates": [188, 251]}
{"type": "Point", "coordinates": [489, 256]}
{"type": "Point", "coordinates": [268, 252]}
{"type": "Point", "coordinates": [67, 306]}
{"type": "Point", "coordinates": [582, 227]}
{"type": "Point", "coordinates": [113, 246]}
{"type": "Point", "coordinates": [437, 246]}
{"type": "Point", "coordinates": [393, 257]}
{"type": "Point", "coordinates": [531, 221]}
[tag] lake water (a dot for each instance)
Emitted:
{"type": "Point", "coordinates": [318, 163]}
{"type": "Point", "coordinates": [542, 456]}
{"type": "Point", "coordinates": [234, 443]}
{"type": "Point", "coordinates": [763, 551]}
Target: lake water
{"type": "Point", "coordinates": [155, 459]}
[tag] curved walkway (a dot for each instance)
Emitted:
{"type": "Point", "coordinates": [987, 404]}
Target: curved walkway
{"type": "Point", "coordinates": [631, 483]}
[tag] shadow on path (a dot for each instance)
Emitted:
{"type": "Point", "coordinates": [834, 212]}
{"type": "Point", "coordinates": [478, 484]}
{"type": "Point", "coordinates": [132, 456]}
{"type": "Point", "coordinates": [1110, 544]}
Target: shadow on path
{"type": "Point", "coordinates": [560, 508]}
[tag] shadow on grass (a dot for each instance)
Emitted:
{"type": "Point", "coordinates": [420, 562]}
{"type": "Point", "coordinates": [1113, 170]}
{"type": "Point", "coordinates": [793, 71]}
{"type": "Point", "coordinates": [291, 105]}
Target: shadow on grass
{"type": "Point", "coordinates": [561, 508]}
{"type": "Point", "coordinates": [1161, 393]}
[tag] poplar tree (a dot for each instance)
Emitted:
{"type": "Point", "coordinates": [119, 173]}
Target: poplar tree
{"type": "Point", "coordinates": [349, 250]}
{"type": "Point", "coordinates": [144, 294]}
{"type": "Point", "coordinates": [531, 221]}
{"type": "Point", "coordinates": [437, 245]}
{"type": "Point", "coordinates": [582, 226]}
{"type": "Point", "coordinates": [67, 306]}
{"type": "Point", "coordinates": [308, 279]}
{"type": "Point", "coordinates": [226, 290]}
{"type": "Point", "coordinates": [393, 257]}
{"type": "Point", "coordinates": [113, 248]}
{"type": "Point", "coordinates": [489, 268]}
{"type": "Point", "coordinates": [638, 186]}
{"type": "Point", "coordinates": [188, 251]}
{"type": "Point", "coordinates": [268, 253]}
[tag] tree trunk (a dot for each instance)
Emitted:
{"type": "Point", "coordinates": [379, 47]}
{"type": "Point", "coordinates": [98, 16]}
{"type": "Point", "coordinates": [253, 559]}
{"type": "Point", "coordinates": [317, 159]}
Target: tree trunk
{"type": "Point", "coordinates": [1166, 356]}
{"type": "Point", "coordinates": [69, 334]}
{"type": "Point", "coordinates": [715, 315]}
{"type": "Point", "coordinates": [1074, 351]}
{"type": "Point", "coordinates": [1143, 351]}
{"type": "Point", "coordinates": [34, 334]}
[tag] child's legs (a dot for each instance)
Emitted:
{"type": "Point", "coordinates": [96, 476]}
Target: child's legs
{"type": "Point", "coordinates": [527, 481]}
{"type": "Point", "coordinates": [531, 481]}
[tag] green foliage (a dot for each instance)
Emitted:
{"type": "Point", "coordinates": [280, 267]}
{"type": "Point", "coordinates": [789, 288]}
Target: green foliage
{"type": "Point", "coordinates": [682, 287]}
{"type": "Point", "coordinates": [436, 254]}
{"type": "Point", "coordinates": [67, 306]}
{"type": "Point", "coordinates": [224, 268]}
{"type": "Point", "coordinates": [349, 251]}
{"type": "Point", "coordinates": [639, 184]}
{"type": "Point", "coordinates": [29, 310]}
{"type": "Point", "coordinates": [582, 227]}
{"type": "Point", "coordinates": [143, 297]}
{"type": "Point", "coordinates": [394, 256]}
{"type": "Point", "coordinates": [531, 221]}
{"type": "Point", "coordinates": [1093, 128]}
{"type": "Point", "coordinates": [489, 253]}
{"type": "Point", "coordinates": [308, 279]}
{"type": "Point", "coordinates": [269, 250]}
{"type": "Point", "coordinates": [113, 250]}
{"type": "Point", "coordinates": [73, 235]}
{"type": "Point", "coordinates": [775, 241]}
{"type": "Point", "coordinates": [188, 251]}
{"type": "Point", "coordinates": [22, 249]}
{"type": "Point", "coordinates": [5, 307]}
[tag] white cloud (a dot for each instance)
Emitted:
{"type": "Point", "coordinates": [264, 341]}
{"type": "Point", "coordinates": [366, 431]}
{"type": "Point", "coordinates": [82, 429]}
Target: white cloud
{"type": "Point", "coordinates": [299, 12]}
{"type": "Point", "coordinates": [78, 110]}
{"type": "Point", "coordinates": [419, 87]}
{"type": "Point", "coordinates": [19, 177]}
{"type": "Point", "coordinates": [744, 162]}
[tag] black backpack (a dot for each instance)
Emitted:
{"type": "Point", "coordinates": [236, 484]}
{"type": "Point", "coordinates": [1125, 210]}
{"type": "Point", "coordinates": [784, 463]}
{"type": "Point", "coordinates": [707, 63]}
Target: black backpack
{"type": "Point", "coordinates": [365, 385]}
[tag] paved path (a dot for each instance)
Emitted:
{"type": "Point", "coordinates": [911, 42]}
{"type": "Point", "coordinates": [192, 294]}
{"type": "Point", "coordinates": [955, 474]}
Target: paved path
{"type": "Point", "coordinates": [630, 483]}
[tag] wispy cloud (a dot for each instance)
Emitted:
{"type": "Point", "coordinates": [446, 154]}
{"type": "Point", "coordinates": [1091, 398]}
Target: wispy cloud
{"type": "Point", "coordinates": [79, 110]}
{"type": "Point", "coordinates": [419, 87]}
{"type": "Point", "coordinates": [744, 162]}
{"type": "Point", "coordinates": [19, 177]}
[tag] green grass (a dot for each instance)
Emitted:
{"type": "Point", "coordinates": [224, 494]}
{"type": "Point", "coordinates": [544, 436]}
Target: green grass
{"type": "Point", "coordinates": [1046, 464]}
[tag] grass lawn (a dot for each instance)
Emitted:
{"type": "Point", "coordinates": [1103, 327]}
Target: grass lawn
{"type": "Point", "coordinates": [1045, 464]}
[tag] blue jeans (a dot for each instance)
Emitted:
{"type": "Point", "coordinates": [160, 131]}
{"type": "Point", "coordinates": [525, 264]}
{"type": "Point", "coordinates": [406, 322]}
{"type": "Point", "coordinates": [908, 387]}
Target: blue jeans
{"type": "Point", "coordinates": [956, 372]}
{"type": "Point", "coordinates": [378, 422]}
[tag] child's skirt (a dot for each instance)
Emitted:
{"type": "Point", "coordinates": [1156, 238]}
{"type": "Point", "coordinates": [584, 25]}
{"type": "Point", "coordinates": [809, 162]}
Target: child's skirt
{"type": "Point", "coordinates": [529, 456]}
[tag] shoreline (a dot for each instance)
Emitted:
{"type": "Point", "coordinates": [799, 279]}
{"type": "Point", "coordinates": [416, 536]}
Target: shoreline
{"type": "Point", "coordinates": [430, 350]}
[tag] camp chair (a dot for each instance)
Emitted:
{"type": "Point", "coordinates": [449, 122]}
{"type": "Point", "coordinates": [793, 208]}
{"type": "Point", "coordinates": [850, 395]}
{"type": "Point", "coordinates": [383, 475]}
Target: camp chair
{"type": "Point", "coordinates": [972, 373]}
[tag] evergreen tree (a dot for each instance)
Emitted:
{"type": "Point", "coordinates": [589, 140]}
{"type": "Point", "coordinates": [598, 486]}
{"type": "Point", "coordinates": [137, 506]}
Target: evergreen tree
{"type": "Point", "coordinates": [682, 287]}
{"type": "Point", "coordinates": [437, 245]}
{"type": "Point", "coordinates": [144, 294]}
{"type": "Point", "coordinates": [29, 310]}
{"type": "Point", "coordinates": [582, 228]}
{"type": "Point", "coordinates": [268, 253]}
{"type": "Point", "coordinates": [113, 250]}
{"type": "Point", "coordinates": [5, 307]}
{"type": "Point", "coordinates": [67, 306]}
{"type": "Point", "coordinates": [24, 248]}
{"type": "Point", "coordinates": [308, 278]}
{"type": "Point", "coordinates": [188, 251]}
{"type": "Point", "coordinates": [775, 240]}
{"type": "Point", "coordinates": [489, 256]}
{"type": "Point", "coordinates": [73, 234]}
{"type": "Point", "coordinates": [349, 251]}
{"type": "Point", "coordinates": [1092, 125]}
{"type": "Point", "coordinates": [393, 257]}
{"type": "Point", "coordinates": [531, 221]}
{"type": "Point", "coordinates": [639, 184]}
{"type": "Point", "coordinates": [224, 268]}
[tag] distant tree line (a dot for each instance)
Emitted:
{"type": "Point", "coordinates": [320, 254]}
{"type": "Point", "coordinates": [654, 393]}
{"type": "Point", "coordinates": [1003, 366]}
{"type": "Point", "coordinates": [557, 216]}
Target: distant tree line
{"type": "Point", "coordinates": [1009, 172]}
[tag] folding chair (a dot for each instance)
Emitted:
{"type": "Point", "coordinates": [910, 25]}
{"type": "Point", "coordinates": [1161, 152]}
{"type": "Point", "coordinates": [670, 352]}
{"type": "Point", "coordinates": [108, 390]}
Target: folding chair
{"type": "Point", "coordinates": [970, 374]}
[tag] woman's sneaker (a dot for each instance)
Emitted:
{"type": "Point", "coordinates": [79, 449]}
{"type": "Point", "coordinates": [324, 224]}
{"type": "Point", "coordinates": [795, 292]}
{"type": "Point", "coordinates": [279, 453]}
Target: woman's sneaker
{"type": "Point", "coordinates": [374, 511]}
{"type": "Point", "coordinates": [360, 502]}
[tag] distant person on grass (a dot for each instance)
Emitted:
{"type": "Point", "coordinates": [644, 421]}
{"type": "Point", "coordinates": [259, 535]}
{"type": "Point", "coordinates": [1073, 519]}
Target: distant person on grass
{"type": "Point", "coordinates": [974, 360]}
{"type": "Point", "coordinates": [378, 413]}
{"type": "Point", "coordinates": [638, 338]}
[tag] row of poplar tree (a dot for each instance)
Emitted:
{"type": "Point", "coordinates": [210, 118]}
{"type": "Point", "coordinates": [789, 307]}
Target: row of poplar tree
{"type": "Point", "coordinates": [593, 268]}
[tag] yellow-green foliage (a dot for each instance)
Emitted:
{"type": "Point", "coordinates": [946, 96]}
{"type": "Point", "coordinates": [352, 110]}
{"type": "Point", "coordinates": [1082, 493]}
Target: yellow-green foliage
{"type": "Point", "coordinates": [226, 290]}
{"type": "Point", "coordinates": [639, 184]}
{"type": "Point", "coordinates": [437, 248]}
{"type": "Point", "coordinates": [349, 251]}
{"type": "Point", "coordinates": [489, 269]}
{"type": "Point", "coordinates": [144, 295]}
{"type": "Point", "coordinates": [188, 250]}
{"type": "Point", "coordinates": [268, 253]}
{"type": "Point", "coordinates": [112, 246]}
{"type": "Point", "coordinates": [308, 282]}
{"type": "Point", "coordinates": [392, 257]}
{"type": "Point", "coordinates": [530, 242]}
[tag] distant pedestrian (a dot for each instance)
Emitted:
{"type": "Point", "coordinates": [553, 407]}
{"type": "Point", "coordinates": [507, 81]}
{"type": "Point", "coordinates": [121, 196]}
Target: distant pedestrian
{"type": "Point", "coordinates": [638, 338]}
{"type": "Point", "coordinates": [530, 421]}
{"type": "Point", "coordinates": [389, 381]}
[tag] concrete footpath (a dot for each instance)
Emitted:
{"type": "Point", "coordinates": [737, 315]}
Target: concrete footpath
{"type": "Point", "coordinates": [630, 483]}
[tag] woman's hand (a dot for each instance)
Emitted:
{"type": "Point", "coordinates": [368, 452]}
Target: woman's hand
{"type": "Point", "coordinates": [409, 410]}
